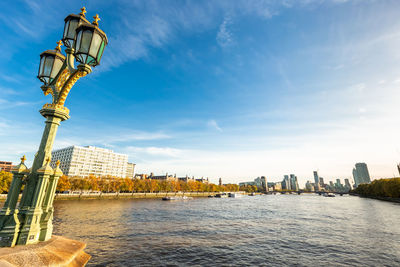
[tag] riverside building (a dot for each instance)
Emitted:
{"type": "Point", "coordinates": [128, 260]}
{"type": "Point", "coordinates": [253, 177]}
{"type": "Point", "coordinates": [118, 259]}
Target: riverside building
{"type": "Point", "coordinates": [83, 161]}
{"type": "Point", "coordinates": [5, 166]}
{"type": "Point", "coordinates": [260, 182]}
{"type": "Point", "coordinates": [361, 174]}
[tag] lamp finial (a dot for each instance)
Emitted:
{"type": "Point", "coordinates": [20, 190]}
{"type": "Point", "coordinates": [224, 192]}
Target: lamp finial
{"type": "Point", "coordinates": [83, 12]}
{"type": "Point", "coordinates": [96, 19]}
{"type": "Point", "coordinates": [23, 159]}
{"type": "Point", "coordinates": [59, 44]}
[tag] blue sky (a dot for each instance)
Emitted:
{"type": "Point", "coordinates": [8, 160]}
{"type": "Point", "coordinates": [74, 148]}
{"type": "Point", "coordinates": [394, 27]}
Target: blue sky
{"type": "Point", "coordinates": [231, 89]}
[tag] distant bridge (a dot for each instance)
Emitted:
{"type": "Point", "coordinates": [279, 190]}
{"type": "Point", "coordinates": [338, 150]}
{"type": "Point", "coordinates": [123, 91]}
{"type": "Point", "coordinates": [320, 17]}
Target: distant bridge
{"type": "Point", "coordinates": [308, 192]}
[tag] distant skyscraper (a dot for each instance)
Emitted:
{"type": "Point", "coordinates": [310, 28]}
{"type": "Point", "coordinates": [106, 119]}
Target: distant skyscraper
{"type": "Point", "coordinates": [321, 181]}
{"type": "Point", "coordinates": [361, 174]}
{"type": "Point", "coordinates": [309, 186]}
{"type": "Point", "coordinates": [316, 178]}
{"type": "Point", "coordinates": [264, 183]}
{"type": "Point", "coordinates": [347, 183]}
{"type": "Point", "coordinates": [286, 183]}
{"type": "Point", "coordinates": [316, 181]}
{"type": "Point", "coordinates": [294, 185]}
{"type": "Point", "coordinates": [220, 181]}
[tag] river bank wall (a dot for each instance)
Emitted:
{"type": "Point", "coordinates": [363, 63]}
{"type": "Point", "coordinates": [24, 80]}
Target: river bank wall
{"type": "Point", "coordinates": [390, 199]}
{"type": "Point", "coordinates": [116, 195]}
{"type": "Point", "coordinates": [130, 195]}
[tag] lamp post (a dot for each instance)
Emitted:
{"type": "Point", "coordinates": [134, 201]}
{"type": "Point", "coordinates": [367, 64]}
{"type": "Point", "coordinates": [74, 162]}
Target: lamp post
{"type": "Point", "coordinates": [31, 221]}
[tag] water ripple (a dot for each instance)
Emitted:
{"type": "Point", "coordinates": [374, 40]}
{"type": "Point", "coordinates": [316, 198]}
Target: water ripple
{"type": "Point", "coordinates": [276, 230]}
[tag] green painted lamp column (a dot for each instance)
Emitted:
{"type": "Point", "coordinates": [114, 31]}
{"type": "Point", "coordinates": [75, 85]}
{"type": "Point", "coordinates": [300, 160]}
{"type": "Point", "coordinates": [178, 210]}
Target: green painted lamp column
{"type": "Point", "coordinates": [37, 186]}
{"type": "Point", "coordinates": [31, 222]}
{"type": "Point", "coordinates": [9, 222]}
{"type": "Point", "coordinates": [46, 221]}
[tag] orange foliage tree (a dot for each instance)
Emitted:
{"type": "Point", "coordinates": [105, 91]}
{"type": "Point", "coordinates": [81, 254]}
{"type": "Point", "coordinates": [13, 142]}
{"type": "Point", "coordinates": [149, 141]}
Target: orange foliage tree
{"type": "Point", "coordinates": [113, 184]}
{"type": "Point", "coordinates": [5, 181]}
{"type": "Point", "coordinates": [63, 184]}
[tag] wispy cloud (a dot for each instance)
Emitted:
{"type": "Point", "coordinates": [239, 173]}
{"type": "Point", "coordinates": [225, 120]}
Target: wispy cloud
{"type": "Point", "coordinates": [137, 38]}
{"type": "Point", "coordinates": [8, 91]}
{"type": "Point", "coordinates": [145, 25]}
{"type": "Point", "coordinates": [224, 35]}
{"type": "Point", "coordinates": [138, 136]}
{"type": "Point", "coordinates": [117, 138]}
{"type": "Point", "coordinates": [213, 124]}
{"type": "Point", "coordinates": [9, 104]}
{"type": "Point", "coordinates": [139, 152]}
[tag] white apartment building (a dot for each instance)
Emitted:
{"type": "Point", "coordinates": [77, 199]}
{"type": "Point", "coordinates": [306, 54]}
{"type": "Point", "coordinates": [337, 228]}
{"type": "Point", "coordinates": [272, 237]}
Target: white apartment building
{"type": "Point", "coordinates": [82, 161]}
{"type": "Point", "coordinates": [130, 170]}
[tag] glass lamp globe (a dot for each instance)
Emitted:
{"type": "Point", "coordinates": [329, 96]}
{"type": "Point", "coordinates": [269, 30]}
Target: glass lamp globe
{"type": "Point", "coordinates": [90, 43]}
{"type": "Point", "coordinates": [72, 22]}
{"type": "Point", "coordinates": [51, 62]}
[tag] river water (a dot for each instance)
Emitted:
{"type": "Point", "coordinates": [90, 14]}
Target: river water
{"type": "Point", "coordinates": [268, 230]}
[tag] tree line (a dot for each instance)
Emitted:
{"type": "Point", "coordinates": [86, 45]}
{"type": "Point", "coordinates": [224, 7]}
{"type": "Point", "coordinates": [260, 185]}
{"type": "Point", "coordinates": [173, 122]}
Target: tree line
{"type": "Point", "coordinates": [250, 188]}
{"type": "Point", "coordinates": [114, 184]}
{"type": "Point", "coordinates": [380, 188]}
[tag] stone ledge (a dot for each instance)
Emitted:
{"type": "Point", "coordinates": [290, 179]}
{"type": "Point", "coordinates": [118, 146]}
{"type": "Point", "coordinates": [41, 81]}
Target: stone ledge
{"type": "Point", "coordinates": [58, 251]}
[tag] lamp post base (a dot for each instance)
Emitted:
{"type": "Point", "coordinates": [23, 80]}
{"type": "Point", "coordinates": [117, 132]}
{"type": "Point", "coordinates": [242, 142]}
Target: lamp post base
{"type": "Point", "coordinates": [58, 251]}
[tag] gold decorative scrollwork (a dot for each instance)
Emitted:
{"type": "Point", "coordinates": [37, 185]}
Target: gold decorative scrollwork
{"type": "Point", "coordinates": [47, 91]}
{"type": "Point", "coordinates": [62, 79]}
{"type": "Point", "coordinates": [55, 106]}
{"type": "Point", "coordinates": [68, 85]}
{"type": "Point", "coordinates": [61, 88]}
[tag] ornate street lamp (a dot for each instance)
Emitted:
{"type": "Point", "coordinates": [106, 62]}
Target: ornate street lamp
{"type": "Point", "coordinates": [51, 62]}
{"type": "Point", "coordinates": [31, 222]}
{"type": "Point", "coordinates": [90, 43]}
{"type": "Point", "coordinates": [72, 22]}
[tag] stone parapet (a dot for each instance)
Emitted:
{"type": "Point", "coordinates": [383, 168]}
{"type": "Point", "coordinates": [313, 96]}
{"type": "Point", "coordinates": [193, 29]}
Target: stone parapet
{"type": "Point", "coordinates": [58, 251]}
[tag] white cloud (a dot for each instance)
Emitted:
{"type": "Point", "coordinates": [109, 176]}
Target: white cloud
{"type": "Point", "coordinates": [117, 138]}
{"type": "Point", "coordinates": [138, 136]}
{"type": "Point", "coordinates": [334, 152]}
{"type": "Point", "coordinates": [362, 110]}
{"type": "Point", "coordinates": [214, 124]}
{"type": "Point", "coordinates": [142, 152]}
{"type": "Point", "coordinates": [224, 35]}
{"type": "Point", "coordinates": [359, 88]}
{"type": "Point", "coordinates": [9, 104]}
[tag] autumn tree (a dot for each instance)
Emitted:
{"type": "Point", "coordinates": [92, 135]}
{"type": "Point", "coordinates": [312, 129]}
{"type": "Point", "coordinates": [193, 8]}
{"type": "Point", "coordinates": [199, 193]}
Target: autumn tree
{"type": "Point", "coordinates": [380, 188]}
{"type": "Point", "coordinates": [174, 186]}
{"type": "Point", "coordinates": [93, 182]}
{"type": "Point", "coordinates": [63, 184]}
{"type": "Point", "coordinates": [5, 181]}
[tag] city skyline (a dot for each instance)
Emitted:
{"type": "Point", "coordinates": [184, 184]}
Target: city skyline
{"type": "Point", "coordinates": [228, 89]}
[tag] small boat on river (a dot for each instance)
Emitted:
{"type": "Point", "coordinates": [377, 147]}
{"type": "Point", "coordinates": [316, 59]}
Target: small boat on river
{"type": "Point", "coordinates": [235, 195]}
{"type": "Point", "coordinates": [176, 198]}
